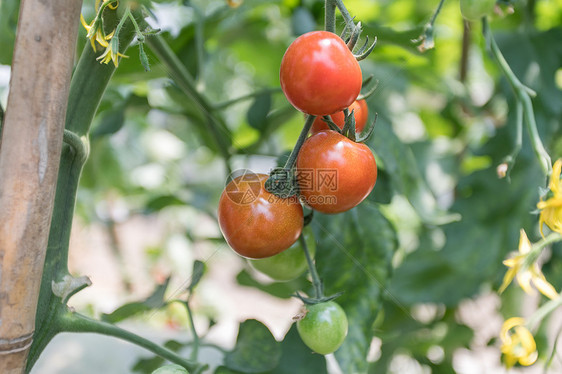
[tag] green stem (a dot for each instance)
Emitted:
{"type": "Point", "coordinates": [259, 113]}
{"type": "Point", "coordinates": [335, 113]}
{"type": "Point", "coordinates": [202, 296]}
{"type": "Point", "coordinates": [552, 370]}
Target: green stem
{"type": "Point", "coordinates": [226, 104]}
{"type": "Point", "coordinates": [343, 10]}
{"type": "Point", "coordinates": [300, 141]}
{"type": "Point", "coordinates": [88, 84]}
{"type": "Point", "coordinates": [539, 246]}
{"type": "Point", "coordinates": [436, 13]}
{"type": "Point", "coordinates": [196, 342]}
{"type": "Point", "coordinates": [522, 94]}
{"type": "Point", "coordinates": [318, 289]}
{"type": "Point", "coordinates": [510, 159]}
{"type": "Point", "coordinates": [543, 311]}
{"type": "Point", "coordinates": [199, 43]}
{"type": "Point", "coordinates": [181, 76]}
{"type": "Point", "coordinates": [75, 322]}
{"type": "Point", "coordinates": [330, 16]}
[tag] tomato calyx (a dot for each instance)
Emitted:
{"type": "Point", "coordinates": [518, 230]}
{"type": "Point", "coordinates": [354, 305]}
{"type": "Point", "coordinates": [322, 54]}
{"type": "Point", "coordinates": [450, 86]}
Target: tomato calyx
{"type": "Point", "coordinates": [351, 40]}
{"type": "Point", "coordinates": [371, 90]}
{"type": "Point", "coordinates": [348, 129]}
{"type": "Point", "coordinates": [282, 183]}
{"type": "Point", "coordinates": [316, 300]}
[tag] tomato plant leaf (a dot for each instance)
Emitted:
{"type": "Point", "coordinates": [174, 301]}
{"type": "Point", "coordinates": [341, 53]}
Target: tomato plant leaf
{"type": "Point", "coordinates": [283, 290]}
{"type": "Point", "coordinates": [257, 114]}
{"type": "Point", "coordinates": [148, 365]}
{"type": "Point", "coordinates": [154, 301]}
{"type": "Point", "coordinates": [400, 164]}
{"type": "Point", "coordinates": [110, 122]}
{"type": "Point", "coordinates": [196, 274]}
{"type": "Point", "coordinates": [296, 357]}
{"type": "Point", "coordinates": [9, 10]}
{"type": "Point", "coordinates": [256, 349]}
{"type": "Point", "coordinates": [357, 248]}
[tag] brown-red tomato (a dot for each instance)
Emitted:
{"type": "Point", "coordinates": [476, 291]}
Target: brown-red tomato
{"type": "Point", "coordinates": [335, 173]}
{"type": "Point", "coordinates": [256, 223]}
{"type": "Point", "coordinates": [319, 75]}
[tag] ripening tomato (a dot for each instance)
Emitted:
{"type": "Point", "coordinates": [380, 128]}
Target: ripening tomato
{"type": "Point", "coordinates": [324, 327]}
{"type": "Point", "coordinates": [360, 112]}
{"type": "Point", "coordinates": [335, 173]}
{"type": "Point", "coordinates": [474, 10]}
{"type": "Point", "coordinates": [256, 223]}
{"type": "Point", "coordinates": [290, 263]}
{"type": "Point", "coordinates": [319, 75]}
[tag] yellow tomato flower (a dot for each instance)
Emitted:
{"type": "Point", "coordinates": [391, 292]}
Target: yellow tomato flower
{"type": "Point", "coordinates": [95, 29]}
{"type": "Point", "coordinates": [111, 54]}
{"type": "Point", "coordinates": [518, 344]}
{"type": "Point", "coordinates": [551, 208]}
{"type": "Point", "coordinates": [526, 270]}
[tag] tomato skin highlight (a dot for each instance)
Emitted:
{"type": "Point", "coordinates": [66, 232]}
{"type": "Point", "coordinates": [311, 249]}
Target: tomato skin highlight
{"type": "Point", "coordinates": [334, 173]}
{"type": "Point", "coordinates": [324, 327]}
{"type": "Point", "coordinates": [290, 263]}
{"type": "Point", "coordinates": [361, 114]}
{"type": "Point", "coordinates": [260, 228]}
{"type": "Point", "coordinates": [319, 75]}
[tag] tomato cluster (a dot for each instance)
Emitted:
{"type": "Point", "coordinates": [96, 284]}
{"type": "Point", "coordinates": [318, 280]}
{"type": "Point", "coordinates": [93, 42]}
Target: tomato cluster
{"type": "Point", "coordinates": [333, 172]}
{"type": "Point", "coordinates": [320, 76]}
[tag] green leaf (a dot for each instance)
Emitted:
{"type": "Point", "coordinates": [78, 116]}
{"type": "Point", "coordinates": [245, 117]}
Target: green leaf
{"type": "Point", "coordinates": [475, 246]}
{"type": "Point", "coordinates": [400, 164]}
{"type": "Point", "coordinates": [355, 251]}
{"type": "Point", "coordinates": [110, 122]}
{"type": "Point", "coordinates": [154, 301]}
{"type": "Point", "coordinates": [196, 274]}
{"type": "Point", "coordinates": [160, 202]}
{"type": "Point", "coordinates": [9, 11]}
{"type": "Point", "coordinates": [148, 365]}
{"type": "Point", "coordinates": [296, 357]}
{"type": "Point", "coordinates": [283, 290]}
{"type": "Point", "coordinates": [257, 114]}
{"type": "Point", "coordinates": [256, 349]}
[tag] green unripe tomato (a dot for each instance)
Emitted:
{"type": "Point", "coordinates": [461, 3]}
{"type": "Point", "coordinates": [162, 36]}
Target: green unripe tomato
{"type": "Point", "coordinates": [324, 327]}
{"type": "Point", "coordinates": [171, 369]}
{"type": "Point", "coordinates": [474, 10]}
{"type": "Point", "coordinates": [290, 263]}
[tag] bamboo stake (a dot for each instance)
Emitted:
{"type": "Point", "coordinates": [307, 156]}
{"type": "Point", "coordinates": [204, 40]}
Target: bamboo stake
{"type": "Point", "coordinates": [29, 161]}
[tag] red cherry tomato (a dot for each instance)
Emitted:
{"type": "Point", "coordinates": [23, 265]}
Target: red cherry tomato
{"type": "Point", "coordinates": [256, 223]}
{"type": "Point", "coordinates": [319, 75]}
{"type": "Point", "coordinates": [334, 173]}
{"type": "Point", "coordinates": [361, 113]}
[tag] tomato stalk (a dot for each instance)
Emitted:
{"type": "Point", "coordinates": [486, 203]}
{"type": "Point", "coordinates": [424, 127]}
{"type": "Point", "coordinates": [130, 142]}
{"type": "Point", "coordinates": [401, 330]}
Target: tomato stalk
{"type": "Point", "coordinates": [523, 95]}
{"type": "Point", "coordinates": [277, 181]}
{"type": "Point", "coordinates": [75, 322]}
{"type": "Point", "coordinates": [316, 282]}
{"type": "Point", "coordinates": [330, 16]}
{"type": "Point", "coordinates": [187, 84]}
